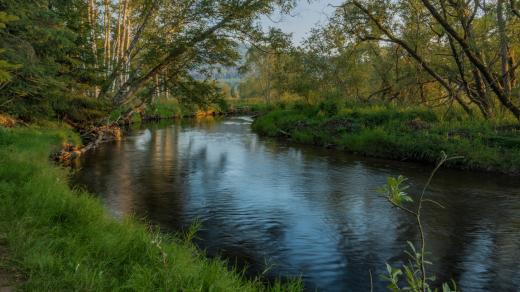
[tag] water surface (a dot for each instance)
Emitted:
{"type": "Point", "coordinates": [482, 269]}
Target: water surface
{"type": "Point", "coordinates": [305, 211]}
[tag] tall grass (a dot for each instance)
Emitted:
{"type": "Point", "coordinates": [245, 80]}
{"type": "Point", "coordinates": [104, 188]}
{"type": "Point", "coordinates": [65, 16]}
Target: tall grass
{"type": "Point", "coordinates": [62, 239]}
{"type": "Point", "coordinates": [165, 108]}
{"type": "Point", "coordinates": [411, 133]}
{"type": "Point", "coordinates": [249, 104]}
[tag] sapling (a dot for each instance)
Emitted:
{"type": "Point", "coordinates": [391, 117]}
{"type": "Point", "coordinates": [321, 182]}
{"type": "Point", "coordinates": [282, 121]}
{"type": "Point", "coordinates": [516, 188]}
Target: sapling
{"type": "Point", "coordinates": [416, 276]}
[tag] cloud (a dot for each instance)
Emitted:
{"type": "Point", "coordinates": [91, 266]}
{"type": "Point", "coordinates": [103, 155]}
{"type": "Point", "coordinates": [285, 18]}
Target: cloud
{"type": "Point", "coordinates": [302, 19]}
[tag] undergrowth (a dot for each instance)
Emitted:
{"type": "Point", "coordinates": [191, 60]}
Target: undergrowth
{"type": "Point", "coordinates": [411, 133]}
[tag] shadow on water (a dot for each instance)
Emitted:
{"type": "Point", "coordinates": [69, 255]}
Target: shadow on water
{"type": "Point", "coordinates": [303, 210]}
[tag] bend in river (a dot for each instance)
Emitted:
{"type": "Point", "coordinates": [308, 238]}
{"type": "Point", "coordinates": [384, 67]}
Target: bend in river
{"type": "Point", "coordinates": [306, 211]}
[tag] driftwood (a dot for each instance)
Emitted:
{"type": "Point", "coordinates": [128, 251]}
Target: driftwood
{"type": "Point", "coordinates": [284, 133]}
{"type": "Point", "coordinates": [94, 136]}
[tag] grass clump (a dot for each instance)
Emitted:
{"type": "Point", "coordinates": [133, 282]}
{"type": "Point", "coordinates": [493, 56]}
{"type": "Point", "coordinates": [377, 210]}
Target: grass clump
{"type": "Point", "coordinates": [411, 133]}
{"type": "Point", "coordinates": [164, 109]}
{"type": "Point", "coordinates": [62, 239]}
{"type": "Point", "coordinates": [251, 105]}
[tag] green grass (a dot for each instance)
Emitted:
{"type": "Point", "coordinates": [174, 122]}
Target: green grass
{"type": "Point", "coordinates": [170, 108]}
{"type": "Point", "coordinates": [61, 239]}
{"type": "Point", "coordinates": [411, 133]}
{"type": "Point", "coordinates": [165, 109]}
{"type": "Point", "coordinates": [252, 105]}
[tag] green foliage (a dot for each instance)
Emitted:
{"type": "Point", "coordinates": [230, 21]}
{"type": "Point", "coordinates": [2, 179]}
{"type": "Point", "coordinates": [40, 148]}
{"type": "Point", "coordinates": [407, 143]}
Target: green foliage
{"type": "Point", "coordinates": [404, 133]}
{"type": "Point", "coordinates": [5, 18]}
{"type": "Point", "coordinates": [330, 108]}
{"type": "Point", "coordinates": [5, 71]}
{"type": "Point", "coordinates": [5, 67]}
{"type": "Point", "coordinates": [199, 94]}
{"type": "Point", "coordinates": [249, 105]}
{"type": "Point", "coordinates": [67, 51]}
{"type": "Point", "coordinates": [264, 69]}
{"type": "Point", "coordinates": [164, 108]}
{"type": "Point", "coordinates": [412, 276]}
{"type": "Point", "coordinates": [394, 190]}
{"type": "Point", "coordinates": [44, 39]}
{"type": "Point", "coordinates": [62, 239]}
{"type": "Point", "coordinates": [80, 110]}
{"type": "Point", "coordinates": [408, 277]}
{"type": "Point", "coordinates": [399, 52]}
{"type": "Point", "coordinates": [167, 108]}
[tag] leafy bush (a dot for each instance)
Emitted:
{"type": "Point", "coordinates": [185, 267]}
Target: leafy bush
{"type": "Point", "coordinates": [331, 108]}
{"type": "Point", "coordinates": [81, 110]}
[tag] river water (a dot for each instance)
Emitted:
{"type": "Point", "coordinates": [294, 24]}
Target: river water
{"type": "Point", "coordinates": [290, 210]}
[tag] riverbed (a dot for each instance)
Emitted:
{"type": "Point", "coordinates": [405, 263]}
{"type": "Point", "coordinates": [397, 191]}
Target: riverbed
{"type": "Point", "coordinates": [286, 210]}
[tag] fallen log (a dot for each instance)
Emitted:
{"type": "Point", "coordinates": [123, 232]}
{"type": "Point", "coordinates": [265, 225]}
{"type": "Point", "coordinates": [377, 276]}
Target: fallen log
{"type": "Point", "coordinates": [94, 136]}
{"type": "Point", "coordinates": [284, 133]}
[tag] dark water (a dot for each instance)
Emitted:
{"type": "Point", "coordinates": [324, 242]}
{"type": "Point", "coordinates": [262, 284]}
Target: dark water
{"type": "Point", "coordinates": [307, 211]}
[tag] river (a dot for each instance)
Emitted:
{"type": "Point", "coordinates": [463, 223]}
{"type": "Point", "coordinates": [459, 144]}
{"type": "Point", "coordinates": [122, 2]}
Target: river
{"type": "Point", "coordinates": [288, 210]}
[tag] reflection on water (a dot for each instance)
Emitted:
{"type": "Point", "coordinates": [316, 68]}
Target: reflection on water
{"type": "Point", "coordinates": [306, 211]}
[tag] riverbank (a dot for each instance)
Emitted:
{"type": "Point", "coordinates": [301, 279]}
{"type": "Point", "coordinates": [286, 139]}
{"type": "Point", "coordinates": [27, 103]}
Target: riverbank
{"type": "Point", "coordinates": [171, 109]}
{"type": "Point", "coordinates": [60, 238]}
{"type": "Point", "coordinates": [411, 134]}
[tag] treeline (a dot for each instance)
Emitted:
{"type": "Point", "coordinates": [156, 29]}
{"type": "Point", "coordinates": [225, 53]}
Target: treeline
{"type": "Point", "coordinates": [85, 59]}
{"type": "Point", "coordinates": [449, 54]}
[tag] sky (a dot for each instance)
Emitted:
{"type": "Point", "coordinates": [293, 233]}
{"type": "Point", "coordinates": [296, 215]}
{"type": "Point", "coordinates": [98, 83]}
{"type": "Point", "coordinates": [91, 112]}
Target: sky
{"type": "Point", "coordinates": [303, 18]}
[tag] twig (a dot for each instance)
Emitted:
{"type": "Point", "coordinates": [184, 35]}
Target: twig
{"type": "Point", "coordinates": [371, 281]}
{"type": "Point", "coordinates": [444, 159]}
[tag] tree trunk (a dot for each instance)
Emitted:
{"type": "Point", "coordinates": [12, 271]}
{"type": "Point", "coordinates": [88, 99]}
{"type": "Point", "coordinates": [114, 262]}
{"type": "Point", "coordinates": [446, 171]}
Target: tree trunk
{"type": "Point", "coordinates": [92, 20]}
{"type": "Point", "coordinates": [504, 48]}
{"type": "Point", "coordinates": [134, 83]}
{"type": "Point", "coordinates": [488, 76]}
{"type": "Point", "coordinates": [107, 38]}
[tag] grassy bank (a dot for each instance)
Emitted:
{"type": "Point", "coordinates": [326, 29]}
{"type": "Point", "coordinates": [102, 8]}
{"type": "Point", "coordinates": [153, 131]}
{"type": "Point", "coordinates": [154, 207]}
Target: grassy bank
{"type": "Point", "coordinates": [415, 134]}
{"type": "Point", "coordinates": [61, 239]}
{"type": "Point", "coordinates": [250, 105]}
{"type": "Point", "coordinates": [171, 108]}
{"type": "Point", "coordinates": [168, 108]}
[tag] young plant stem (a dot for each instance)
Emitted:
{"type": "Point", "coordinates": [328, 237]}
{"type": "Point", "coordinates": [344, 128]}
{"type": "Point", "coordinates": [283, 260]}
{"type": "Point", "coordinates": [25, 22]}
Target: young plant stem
{"type": "Point", "coordinates": [443, 160]}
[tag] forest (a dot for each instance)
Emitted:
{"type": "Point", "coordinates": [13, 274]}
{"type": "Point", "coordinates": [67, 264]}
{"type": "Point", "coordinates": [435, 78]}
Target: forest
{"type": "Point", "coordinates": [446, 54]}
{"type": "Point", "coordinates": [84, 61]}
{"type": "Point", "coordinates": [405, 80]}
{"type": "Point", "coordinates": [433, 82]}
{"type": "Point", "coordinates": [105, 56]}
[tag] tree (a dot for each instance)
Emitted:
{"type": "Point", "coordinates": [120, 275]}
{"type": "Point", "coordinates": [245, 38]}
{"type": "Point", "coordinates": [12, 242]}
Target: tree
{"type": "Point", "coordinates": [112, 54]}
{"type": "Point", "coordinates": [265, 68]}
{"type": "Point", "coordinates": [175, 37]}
{"type": "Point", "coordinates": [47, 41]}
{"type": "Point", "coordinates": [451, 22]}
{"type": "Point", "coordinates": [438, 53]}
{"type": "Point", "coordinates": [6, 68]}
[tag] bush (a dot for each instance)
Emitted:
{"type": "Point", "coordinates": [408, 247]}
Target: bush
{"type": "Point", "coordinates": [80, 110]}
{"type": "Point", "coordinates": [331, 108]}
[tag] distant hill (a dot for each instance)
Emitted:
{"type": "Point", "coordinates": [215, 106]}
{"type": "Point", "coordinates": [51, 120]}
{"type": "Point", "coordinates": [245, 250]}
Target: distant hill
{"type": "Point", "coordinates": [226, 74]}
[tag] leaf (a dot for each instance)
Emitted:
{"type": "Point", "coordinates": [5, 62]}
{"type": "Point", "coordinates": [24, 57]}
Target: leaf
{"type": "Point", "coordinates": [394, 190]}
